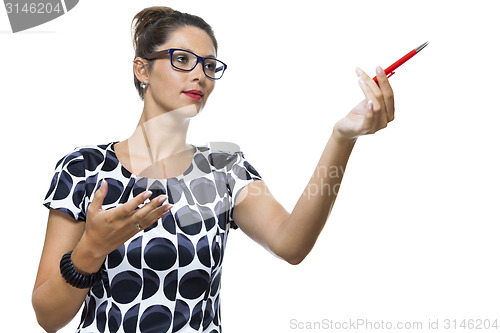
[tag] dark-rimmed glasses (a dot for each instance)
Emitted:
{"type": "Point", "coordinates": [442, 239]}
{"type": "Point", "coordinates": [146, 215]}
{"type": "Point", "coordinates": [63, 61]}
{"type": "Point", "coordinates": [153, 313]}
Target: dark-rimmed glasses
{"type": "Point", "coordinates": [185, 60]}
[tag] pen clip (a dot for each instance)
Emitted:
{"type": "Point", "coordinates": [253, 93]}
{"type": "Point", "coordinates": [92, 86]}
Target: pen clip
{"type": "Point", "coordinates": [390, 74]}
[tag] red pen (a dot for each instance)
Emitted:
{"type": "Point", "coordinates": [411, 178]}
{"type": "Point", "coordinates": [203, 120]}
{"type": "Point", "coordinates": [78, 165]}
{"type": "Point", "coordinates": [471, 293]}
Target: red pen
{"type": "Point", "coordinates": [389, 71]}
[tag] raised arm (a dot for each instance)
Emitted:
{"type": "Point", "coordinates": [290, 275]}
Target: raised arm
{"type": "Point", "coordinates": [292, 236]}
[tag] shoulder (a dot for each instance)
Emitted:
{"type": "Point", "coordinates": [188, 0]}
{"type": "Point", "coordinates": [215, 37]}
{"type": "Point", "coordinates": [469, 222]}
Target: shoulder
{"type": "Point", "coordinates": [221, 155]}
{"type": "Point", "coordinates": [228, 157]}
{"type": "Point", "coordinates": [84, 158]}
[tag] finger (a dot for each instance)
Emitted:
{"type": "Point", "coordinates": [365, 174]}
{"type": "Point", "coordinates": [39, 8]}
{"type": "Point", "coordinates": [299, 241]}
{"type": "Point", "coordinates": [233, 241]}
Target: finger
{"type": "Point", "coordinates": [369, 119]}
{"type": "Point", "coordinates": [387, 92]}
{"type": "Point", "coordinates": [152, 211]}
{"type": "Point", "coordinates": [373, 92]}
{"type": "Point", "coordinates": [150, 206]}
{"type": "Point", "coordinates": [379, 118]}
{"type": "Point", "coordinates": [129, 207]}
{"type": "Point", "coordinates": [99, 196]}
{"type": "Point", "coordinates": [369, 86]}
{"type": "Point", "coordinates": [155, 214]}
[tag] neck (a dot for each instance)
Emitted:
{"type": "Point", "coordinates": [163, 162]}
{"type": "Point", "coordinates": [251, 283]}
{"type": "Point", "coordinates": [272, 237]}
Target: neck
{"type": "Point", "coordinates": [159, 136]}
{"type": "Point", "coordinates": [163, 135]}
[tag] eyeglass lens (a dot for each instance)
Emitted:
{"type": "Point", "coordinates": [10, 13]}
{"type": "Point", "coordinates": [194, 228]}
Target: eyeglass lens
{"type": "Point", "coordinates": [187, 61]}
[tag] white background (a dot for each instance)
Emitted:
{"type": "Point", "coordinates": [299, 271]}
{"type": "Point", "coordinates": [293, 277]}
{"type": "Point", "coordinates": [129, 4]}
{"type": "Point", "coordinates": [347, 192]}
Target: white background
{"type": "Point", "coordinates": [414, 233]}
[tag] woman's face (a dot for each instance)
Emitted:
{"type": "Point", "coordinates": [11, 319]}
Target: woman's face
{"type": "Point", "coordinates": [171, 89]}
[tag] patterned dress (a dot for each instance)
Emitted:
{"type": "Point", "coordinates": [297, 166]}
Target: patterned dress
{"type": "Point", "coordinates": [167, 277]}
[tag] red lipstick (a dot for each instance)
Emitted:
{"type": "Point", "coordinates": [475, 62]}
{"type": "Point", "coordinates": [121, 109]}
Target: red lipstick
{"type": "Point", "coordinates": [194, 94]}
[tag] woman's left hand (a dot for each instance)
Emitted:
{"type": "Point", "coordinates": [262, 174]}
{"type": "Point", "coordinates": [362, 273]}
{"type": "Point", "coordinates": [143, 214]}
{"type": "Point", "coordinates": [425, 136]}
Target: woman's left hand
{"type": "Point", "coordinates": [373, 113]}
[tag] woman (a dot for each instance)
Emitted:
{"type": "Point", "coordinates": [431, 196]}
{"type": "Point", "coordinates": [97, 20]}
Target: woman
{"type": "Point", "coordinates": [137, 229]}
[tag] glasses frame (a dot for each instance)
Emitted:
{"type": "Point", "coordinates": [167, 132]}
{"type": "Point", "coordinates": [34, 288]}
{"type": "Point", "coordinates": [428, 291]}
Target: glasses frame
{"type": "Point", "coordinates": [170, 52]}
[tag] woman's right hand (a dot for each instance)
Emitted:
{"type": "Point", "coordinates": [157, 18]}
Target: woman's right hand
{"type": "Point", "coordinates": [106, 230]}
{"type": "Point", "coordinates": [55, 301]}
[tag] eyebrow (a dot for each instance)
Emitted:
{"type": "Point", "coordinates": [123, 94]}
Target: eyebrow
{"type": "Point", "coordinates": [188, 49]}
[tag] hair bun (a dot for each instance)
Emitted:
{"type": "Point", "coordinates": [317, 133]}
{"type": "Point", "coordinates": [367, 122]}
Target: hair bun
{"type": "Point", "coordinates": [147, 17]}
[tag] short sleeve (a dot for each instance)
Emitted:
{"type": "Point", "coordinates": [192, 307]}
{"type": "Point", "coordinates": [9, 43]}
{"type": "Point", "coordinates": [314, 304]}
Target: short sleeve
{"type": "Point", "coordinates": [68, 186]}
{"type": "Point", "coordinates": [241, 174]}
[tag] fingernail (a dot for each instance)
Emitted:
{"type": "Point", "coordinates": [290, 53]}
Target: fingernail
{"type": "Point", "coordinates": [162, 199]}
{"type": "Point", "coordinates": [147, 194]}
{"type": "Point", "coordinates": [359, 71]}
{"type": "Point", "coordinates": [370, 105]}
{"type": "Point", "coordinates": [103, 181]}
{"type": "Point", "coordinates": [379, 70]}
{"type": "Point", "coordinates": [168, 207]}
{"type": "Point", "coordinates": [361, 82]}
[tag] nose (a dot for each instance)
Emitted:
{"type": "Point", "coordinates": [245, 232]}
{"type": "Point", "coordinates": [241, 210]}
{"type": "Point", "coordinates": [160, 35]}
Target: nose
{"type": "Point", "coordinates": [197, 73]}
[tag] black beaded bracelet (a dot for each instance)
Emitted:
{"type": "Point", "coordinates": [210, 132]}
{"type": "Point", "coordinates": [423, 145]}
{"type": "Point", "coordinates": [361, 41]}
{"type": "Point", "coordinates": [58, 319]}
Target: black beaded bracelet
{"type": "Point", "coordinates": [75, 278]}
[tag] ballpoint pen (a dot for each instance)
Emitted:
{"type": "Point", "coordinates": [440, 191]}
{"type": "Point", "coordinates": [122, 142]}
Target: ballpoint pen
{"type": "Point", "coordinates": [389, 71]}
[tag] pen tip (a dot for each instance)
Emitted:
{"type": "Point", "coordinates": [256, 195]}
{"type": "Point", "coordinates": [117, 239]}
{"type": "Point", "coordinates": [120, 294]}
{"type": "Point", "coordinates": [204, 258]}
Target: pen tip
{"type": "Point", "coordinates": [418, 49]}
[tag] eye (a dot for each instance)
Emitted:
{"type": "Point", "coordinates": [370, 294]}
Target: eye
{"type": "Point", "coordinates": [182, 58]}
{"type": "Point", "coordinates": [210, 65]}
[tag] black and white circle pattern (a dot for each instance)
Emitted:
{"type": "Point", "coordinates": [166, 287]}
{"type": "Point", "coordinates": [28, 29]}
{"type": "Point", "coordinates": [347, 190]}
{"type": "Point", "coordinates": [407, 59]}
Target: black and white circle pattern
{"type": "Point", "coordinates": [166, 278]}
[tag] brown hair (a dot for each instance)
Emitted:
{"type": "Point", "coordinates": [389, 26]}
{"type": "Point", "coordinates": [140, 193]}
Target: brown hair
{"type": "Point", "coordinates": [153, 27]}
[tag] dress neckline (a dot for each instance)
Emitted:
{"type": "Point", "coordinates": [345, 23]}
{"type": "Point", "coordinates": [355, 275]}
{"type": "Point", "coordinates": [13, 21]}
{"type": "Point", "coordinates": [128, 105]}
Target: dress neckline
{"type": "Point", "coordinates": [189, 168]}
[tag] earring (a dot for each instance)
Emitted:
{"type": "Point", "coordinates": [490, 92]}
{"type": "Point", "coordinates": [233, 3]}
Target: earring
{"type": "Point", "coordinates": [144, 84]}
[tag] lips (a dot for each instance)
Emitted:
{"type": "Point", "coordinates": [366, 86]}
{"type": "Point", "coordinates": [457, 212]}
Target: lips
{"type": "Point", "coordinates": [194, 94]}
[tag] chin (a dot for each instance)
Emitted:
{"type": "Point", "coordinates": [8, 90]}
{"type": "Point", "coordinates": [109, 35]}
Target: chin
{"type": "Point", "coordinates": [188, 111]}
